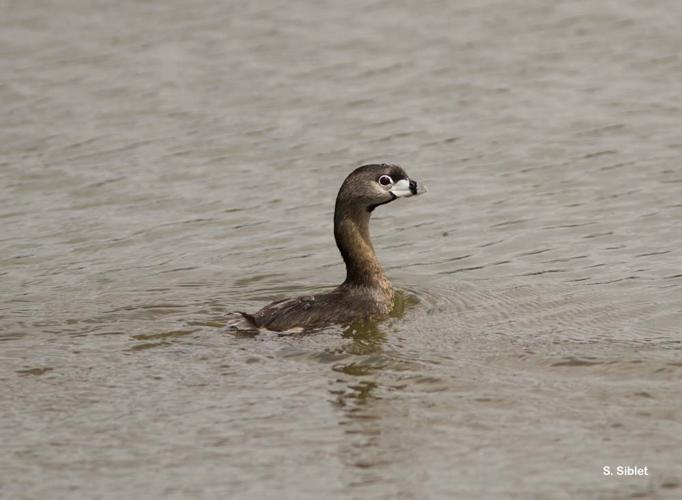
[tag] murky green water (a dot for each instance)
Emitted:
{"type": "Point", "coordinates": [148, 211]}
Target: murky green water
{"type": "Point", "coordinates": [166, 163]}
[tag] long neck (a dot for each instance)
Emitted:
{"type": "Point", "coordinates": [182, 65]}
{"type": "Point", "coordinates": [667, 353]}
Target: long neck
{"type": "Point", "coordinates": [351, 231]}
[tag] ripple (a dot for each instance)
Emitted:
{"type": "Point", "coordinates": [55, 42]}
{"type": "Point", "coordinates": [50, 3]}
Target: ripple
{"type": "Point", "coordinates": [35, 371]}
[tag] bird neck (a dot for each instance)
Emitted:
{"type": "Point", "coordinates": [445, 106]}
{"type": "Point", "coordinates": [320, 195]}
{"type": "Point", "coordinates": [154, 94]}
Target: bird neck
{"type": "Point", "coordinates": [351, 231]}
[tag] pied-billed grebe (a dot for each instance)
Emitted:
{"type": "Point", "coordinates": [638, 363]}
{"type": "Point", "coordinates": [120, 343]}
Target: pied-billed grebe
{"type": "Point", "coordinates": [366, 294]}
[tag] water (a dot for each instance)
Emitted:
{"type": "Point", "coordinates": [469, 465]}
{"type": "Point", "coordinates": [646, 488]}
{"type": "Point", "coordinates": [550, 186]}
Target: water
{"type": "Point", "coordinates": [166, 163]}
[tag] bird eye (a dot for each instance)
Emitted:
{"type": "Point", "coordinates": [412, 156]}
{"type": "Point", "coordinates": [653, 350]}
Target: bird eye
{"type": "Point", "coordinates": [385, 180]}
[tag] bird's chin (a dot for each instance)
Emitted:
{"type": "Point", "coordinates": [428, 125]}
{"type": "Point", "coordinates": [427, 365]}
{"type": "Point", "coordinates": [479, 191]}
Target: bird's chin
{"type": "Point", "coordinates": [393, 197]}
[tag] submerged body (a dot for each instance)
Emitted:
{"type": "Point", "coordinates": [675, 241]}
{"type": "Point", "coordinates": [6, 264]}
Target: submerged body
{"type": "Point", "coordinates": [366, 294]}
{"type": "Point", "coordinates": [344, 304]}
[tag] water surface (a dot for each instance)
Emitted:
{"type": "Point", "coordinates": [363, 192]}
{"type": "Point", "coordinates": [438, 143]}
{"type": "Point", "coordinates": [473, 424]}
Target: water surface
{"type": "Point", "coordinates": [166, 163]}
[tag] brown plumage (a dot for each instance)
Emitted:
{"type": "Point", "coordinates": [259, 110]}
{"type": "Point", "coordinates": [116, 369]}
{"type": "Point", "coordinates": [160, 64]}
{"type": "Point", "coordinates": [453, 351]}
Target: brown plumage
{"type": "Point", "coordinates": [366, 294]}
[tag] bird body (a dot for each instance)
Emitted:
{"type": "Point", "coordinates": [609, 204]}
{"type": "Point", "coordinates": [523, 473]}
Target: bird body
{"type": "Point", "coordinates": [366, 294]}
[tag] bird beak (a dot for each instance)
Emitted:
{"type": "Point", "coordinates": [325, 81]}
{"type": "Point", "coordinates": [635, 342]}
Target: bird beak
{"type": "Point", "coordinates": [405, 187]}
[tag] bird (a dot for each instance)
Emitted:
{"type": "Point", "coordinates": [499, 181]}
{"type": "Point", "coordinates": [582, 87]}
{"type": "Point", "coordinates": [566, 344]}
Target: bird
{"type": "Point", "coordinates": [366, 294]}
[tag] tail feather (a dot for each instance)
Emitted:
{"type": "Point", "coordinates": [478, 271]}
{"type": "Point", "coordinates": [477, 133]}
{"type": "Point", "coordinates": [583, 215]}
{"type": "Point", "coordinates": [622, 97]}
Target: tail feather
{"type": "Point", "coordinates": [241, 322]}
{"type": "Point", "coordinates": [250, 318]}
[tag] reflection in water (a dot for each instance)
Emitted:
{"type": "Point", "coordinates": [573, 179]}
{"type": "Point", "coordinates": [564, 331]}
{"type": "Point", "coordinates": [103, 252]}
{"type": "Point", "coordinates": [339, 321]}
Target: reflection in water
{"type": "Point", "coordinates": [374, 421]}
{"type": "Point", "coordinates": [356, 396]}
{"type": "Point", "coordinates": [365, 339]}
